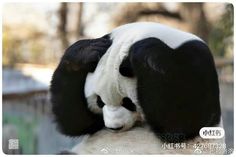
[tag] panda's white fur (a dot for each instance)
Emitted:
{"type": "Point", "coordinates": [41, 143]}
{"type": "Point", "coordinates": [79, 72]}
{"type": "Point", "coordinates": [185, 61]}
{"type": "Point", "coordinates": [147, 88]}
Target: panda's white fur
{"type": "Point", "coordinates": [111, 86]}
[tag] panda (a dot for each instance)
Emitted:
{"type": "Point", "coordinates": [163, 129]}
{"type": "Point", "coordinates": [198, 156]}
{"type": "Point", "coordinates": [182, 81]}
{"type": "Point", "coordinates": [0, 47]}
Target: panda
{"type": "Point", "coordinates": [143, 81]}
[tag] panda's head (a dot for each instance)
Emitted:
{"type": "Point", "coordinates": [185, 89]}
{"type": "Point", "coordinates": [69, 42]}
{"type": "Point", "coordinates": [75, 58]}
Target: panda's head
{"type": "Point", "coordinates": [150, 72]}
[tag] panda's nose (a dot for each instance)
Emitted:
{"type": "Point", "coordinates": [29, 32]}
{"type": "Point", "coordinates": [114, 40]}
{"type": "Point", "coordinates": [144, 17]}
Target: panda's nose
{"type": "Point", "coordinates": [116, 129]}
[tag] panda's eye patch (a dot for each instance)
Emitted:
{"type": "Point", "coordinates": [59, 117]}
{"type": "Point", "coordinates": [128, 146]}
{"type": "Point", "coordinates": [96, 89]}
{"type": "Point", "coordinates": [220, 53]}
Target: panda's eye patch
{"type": "Point", "coordinates": [128, 104]}
{"type": "Point", "coordinates": [100, 102]}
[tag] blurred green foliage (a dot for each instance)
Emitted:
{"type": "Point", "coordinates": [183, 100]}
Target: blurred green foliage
{"type": "Point", "coordinates": [221, 35]}
{"type": "Point", "coordinates": [26, 126]}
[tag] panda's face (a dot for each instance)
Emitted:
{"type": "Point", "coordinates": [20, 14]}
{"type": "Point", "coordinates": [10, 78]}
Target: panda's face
{"type": "Point", "coordinates": [120, 114]}
{"type": "Point", "coordinates": [108, 92]}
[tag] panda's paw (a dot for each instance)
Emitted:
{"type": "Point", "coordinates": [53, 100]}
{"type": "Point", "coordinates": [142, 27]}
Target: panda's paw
{"type": "Point", "coordinates": [85, 54]}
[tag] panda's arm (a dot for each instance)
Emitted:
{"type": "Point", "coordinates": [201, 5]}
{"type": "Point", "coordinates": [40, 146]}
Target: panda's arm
{"type": "Point", "coordinates": [69, 105]}
{"type": "Point", "coordinates": [177, 88]}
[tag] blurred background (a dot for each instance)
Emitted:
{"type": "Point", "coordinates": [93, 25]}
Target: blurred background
{"type": "Point", "coordinates": [35, 36]}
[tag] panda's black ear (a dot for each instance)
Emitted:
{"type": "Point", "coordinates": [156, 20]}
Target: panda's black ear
{"type": "Point", "coordinates": [178, 88]}
{"type": "Point", "coordinates": [69, 104]}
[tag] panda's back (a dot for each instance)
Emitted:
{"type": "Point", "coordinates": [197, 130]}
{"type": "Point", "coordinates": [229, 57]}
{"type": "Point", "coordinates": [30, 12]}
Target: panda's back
{"type": "Point", "coordinates": [134, 32]}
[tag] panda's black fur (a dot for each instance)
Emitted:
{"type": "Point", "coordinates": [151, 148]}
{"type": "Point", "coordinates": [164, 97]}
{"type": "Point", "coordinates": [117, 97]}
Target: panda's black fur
{"type": "Point", "coordinates": [177, 88]}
